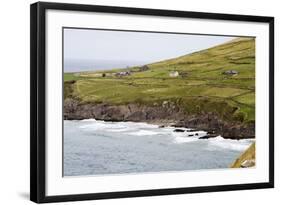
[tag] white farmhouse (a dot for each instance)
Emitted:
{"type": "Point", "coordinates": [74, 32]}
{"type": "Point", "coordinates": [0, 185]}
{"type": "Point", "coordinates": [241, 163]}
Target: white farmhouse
{"type": "Point", "coordinates": [174, 74]}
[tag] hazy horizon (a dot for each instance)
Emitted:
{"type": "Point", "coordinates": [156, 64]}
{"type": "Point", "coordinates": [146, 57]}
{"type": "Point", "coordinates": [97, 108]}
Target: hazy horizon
{"type": "Point", "coordinates": [86, 50]}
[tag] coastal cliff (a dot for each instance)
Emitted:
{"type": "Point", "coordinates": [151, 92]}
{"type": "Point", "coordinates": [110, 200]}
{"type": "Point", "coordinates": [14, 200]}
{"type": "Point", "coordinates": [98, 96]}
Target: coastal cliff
{"type": "Point", "coordinates": [166, 114]}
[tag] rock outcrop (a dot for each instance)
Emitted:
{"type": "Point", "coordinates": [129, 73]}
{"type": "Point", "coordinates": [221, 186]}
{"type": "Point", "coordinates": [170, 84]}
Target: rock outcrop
{"type": "Point", "coordinates": [247, 159]}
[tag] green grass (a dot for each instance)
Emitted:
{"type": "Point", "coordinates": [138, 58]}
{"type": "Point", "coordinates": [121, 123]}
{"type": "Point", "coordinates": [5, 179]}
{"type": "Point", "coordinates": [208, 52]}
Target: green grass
{"type": "Point", "coordinates": [248, 98]}
{"type": "Point", "coordinates": [200, 87]}
{"type": "Point", "coordinates": [70, 76]}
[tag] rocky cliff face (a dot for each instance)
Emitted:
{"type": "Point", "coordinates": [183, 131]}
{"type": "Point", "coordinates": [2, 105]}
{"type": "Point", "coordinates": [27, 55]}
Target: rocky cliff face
{"type": "Point", "coordinates": [160, 114]}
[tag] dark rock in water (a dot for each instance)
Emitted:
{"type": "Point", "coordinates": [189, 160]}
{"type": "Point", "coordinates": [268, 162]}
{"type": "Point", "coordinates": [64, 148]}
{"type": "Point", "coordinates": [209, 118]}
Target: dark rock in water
{"type": "Point", "coordinates": [211, 132]}
{"type": "Point", "coordinates": [161, 126]}
{"type": "Point", "coordinates": [179, 130]}
{"type": "Point", "coordinates": [190, 135]}
{"type": "Point", "coordinates": [216, 126]}
{"type": "Point", "coordinates": [208, 136]}
{"type": "Point", "coordinates": [192, 130]}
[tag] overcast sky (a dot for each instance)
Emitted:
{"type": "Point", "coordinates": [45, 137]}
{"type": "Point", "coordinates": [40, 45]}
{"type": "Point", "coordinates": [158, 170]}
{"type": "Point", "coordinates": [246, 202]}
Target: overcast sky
{"type": "Point", "coordinates": [120, 48]}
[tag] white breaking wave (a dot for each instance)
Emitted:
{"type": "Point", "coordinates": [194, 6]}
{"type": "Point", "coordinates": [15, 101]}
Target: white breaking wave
{"type": "Point", "coordinates": [186, 137]}
{"type": "Point", "coordinates": [143, 133]}
{"type": "Point", "coordinates": [193, 134]}
{"type": "Point", "coordinates": [145, 129]}
{"type": "Point", "coordinates": [101, 125]}
{"type": "Point", "coordinates": [120, 130]}
{"type": "Point", "coordinates": [239, 145]}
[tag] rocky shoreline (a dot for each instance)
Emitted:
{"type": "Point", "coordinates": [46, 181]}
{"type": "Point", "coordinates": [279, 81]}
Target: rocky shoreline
{"type": "Point", "coordinates": [246, 159]}
{"type": "Point", "coordinates": [163, 115]}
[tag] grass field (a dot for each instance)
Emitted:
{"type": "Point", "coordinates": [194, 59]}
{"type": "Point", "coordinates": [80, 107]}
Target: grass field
{"type": "Point", "coordinates": [200, 86]}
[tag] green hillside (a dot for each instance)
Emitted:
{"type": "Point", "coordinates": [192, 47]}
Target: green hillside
{"type": "Point", "coordinates": [200, 84]}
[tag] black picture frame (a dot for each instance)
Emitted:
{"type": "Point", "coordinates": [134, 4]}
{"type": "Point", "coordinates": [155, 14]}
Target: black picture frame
{"type": "Point", "coordinates": [38, 101]}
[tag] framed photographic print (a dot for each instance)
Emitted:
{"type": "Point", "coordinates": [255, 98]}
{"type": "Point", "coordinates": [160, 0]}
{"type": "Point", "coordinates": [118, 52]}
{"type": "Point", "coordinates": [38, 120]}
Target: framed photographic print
{"type": "Point", "coordinates": [129, 102]}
